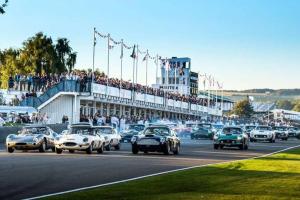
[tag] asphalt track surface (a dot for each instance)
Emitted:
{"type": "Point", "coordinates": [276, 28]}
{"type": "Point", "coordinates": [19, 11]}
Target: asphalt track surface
{"type": "Point", "coordinates": [31, 174]}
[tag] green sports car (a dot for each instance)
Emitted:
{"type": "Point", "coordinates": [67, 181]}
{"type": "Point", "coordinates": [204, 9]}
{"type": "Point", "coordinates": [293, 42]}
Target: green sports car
{"type": "Point", "coordinates": [202, 131]}
{"type": "Point", "coordinates": [231, 136]}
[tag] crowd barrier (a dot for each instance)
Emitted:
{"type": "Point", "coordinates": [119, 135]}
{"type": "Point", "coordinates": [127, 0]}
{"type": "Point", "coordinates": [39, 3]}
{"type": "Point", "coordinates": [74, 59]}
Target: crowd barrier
{"type": "Point", "coordinates": [141, 98]}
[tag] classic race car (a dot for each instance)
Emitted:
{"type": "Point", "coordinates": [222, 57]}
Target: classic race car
{"type": "Point", "coordinates": [80, 137]}
{"type": "Point", "coordinates": [157, 138]}
{"type": "Point", "coordinates": [262, 133]}
{"type": "Point", "coordinates": [202, 130]}
{"type": "Point", "coordinates": [31, 137]}
{"type": "Point", "coordinates": [249, 128]}
{"type": "Point", "coordinates": [231, 136]}
{"type": "Point", "coordinates": [281, 132]}
{"type": "Point", "coordinates": [112, 137]}
{"type": "Point", "coordinates": [293, 131]}
{"type": "Point", "coordinates": [131, 130]}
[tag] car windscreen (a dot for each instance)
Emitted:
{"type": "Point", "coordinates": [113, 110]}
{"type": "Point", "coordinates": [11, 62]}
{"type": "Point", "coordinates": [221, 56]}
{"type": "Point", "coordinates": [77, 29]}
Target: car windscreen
{"type": "Point", "coordinates": [162, 131]}
{"type": "Point", "coordinates": [81, 130]}
{"type": "Point", "coordinates": [189, 125]}
{"type": "Point", "coordinates": [105, 130]}
{"type": "Point", "coordinates": [249, 127]}
{"type": "Point", "coordinates": [217, 126]}
{"type": "Point", "coordinates": [232, 130]}
{"type": "Point", "coordinates": [280, 128]}
{"type": "Point", "coordinates": [136, 127]}
{"type": "Point", "coordinates": [33, 130]}
{"type": "Point", "coordinates": [205, 125]}
{"type": "Point", "coordinates": [263, 128]}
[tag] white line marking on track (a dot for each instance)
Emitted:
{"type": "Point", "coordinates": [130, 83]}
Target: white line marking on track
{"type": "Point", "coordinates": [242, 153]}
{"type": "Point", "coordinates": [151, 175]}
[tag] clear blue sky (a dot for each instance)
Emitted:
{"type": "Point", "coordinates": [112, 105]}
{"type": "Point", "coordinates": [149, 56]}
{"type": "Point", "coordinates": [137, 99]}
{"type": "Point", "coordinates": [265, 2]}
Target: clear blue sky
{"type": "Point", "coordinates": [243, 43]}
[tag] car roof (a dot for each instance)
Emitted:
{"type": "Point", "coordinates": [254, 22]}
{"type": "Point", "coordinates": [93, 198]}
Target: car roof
{"type": "Point", "coordinates": [232, 127]}
{"type": "Point", "coordinates": [103, 127]}
{"type": "Point", "coordinates": [158, 126]}
{"type": "Point", "coordinates": [81, 124]}
{"type": "Point", "coordinates": [136, 124]}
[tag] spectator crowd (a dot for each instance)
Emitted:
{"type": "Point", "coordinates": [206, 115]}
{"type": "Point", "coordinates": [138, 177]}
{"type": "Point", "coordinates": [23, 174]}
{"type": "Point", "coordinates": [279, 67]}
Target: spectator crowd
{"type": "Point", "coordinates": [32, 84]}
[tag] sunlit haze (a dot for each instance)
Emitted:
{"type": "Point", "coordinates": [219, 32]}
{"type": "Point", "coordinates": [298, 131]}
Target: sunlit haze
{"type": "Point", "coordinates": [244, 44]}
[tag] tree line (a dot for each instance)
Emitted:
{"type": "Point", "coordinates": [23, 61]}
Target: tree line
{"type": "Point", "coordinates": [38, 55]}
{"type": "Point", "coordinates": [288, 105]}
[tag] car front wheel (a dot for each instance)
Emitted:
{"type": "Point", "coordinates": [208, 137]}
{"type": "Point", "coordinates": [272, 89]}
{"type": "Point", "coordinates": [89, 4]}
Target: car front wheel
{"type": "Point", "coordinates": [58, 151]}
{"type": "Point", "coordinates": [89, 150]}
{"type": "Point", "coordinates": [176, 151]}
{"type": "Point", "coordinates": [10, 150]}
{"type": "Point", "coordinates": [118, 146]}
{"type": "Point", "coordinates": [101, 149]}
{"type": "Point", "coordinates": [135, 149]}
{"type": "Point", "coordinates": [216, 146]}
{"type": "Point", "coordinates": [43, 146]}
{"type": "Point", "coordinates": [167, 149]}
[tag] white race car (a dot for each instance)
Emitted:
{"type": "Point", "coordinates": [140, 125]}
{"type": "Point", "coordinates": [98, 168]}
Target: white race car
{"type": "Point", "coordinates": [262, 133]}
{"type": "Point", "coordinates": [80, 137]}
{"type": "Point", "coordinates": [112, 137]}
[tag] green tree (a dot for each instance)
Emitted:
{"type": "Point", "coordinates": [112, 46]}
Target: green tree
{"type": "Point", "coordinates": [38, 53]}
{"type": "Point", "coordinates": [243, 109]}
{"type": "Point", "coordinates": [71, 60]}
{"type": "Point", "coordinates": [297, 107]}
{"type": "Point", "coordinates": [63, 49]}
{"type": "Point", "coordinates": [284, 104]}
{"type": "Point", "coordinates": [9, 65]}
{"type": "Point", "coordinates": [2, 11]}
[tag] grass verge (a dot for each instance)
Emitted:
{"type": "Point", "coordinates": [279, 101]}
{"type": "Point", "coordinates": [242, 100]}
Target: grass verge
{"type": "Point", "coordinates": [273, 177]}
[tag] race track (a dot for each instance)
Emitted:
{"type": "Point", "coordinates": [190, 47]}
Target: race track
{"type": "Point", "coordinates": [30, 174]}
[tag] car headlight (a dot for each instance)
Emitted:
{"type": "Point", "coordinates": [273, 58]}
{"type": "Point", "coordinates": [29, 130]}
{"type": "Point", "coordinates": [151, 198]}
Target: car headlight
{"type": "Point", "coordinates": [133, 139]}
{"type": "Point", "coordinates": [10, 138]}
{"type": "Point", "coordinates": [85, 140]}
{"type": "Point", "coordinates": [216, 137]}
{"type": "Point", "coordinates": [36, 139]}
{"type": "Point", "coordinates": [162, 140]}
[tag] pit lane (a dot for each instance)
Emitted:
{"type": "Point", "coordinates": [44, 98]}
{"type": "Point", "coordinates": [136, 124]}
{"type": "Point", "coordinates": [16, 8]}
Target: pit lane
{"type": "Point", "coordinates": [30, 174]}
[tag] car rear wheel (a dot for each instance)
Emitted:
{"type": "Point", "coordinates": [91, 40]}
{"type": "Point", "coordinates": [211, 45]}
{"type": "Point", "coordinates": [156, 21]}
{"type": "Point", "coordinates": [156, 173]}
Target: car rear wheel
{"type": "Point", "coordinates": [101, 149]}
{"type": "Point", "coordinates": [58, 151]}
{"type": "Point", "coordinates": [10, 150]}
{"type": "Point", "coordinates": [71, 151]}
{"type": "Point", "coordinates": [43, 146]}
{"type": "Point", "coordinates": [216, 146]}
{"type": "Point", "coordinates": [53, 149]}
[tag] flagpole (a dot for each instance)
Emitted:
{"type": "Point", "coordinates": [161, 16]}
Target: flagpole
{"type": "Point", "coordinates": [156, 69]}
{"type": "Point", "coordinates": [146, 71]}
{"type": "Point", "coordinates": [94, 49]}
{"type": "Point", "coordinates": [121, 79]}
{"type": "Point", "coordinates": [175, 75]}
{"type": "Point", "coordinates": [133, 70]}
{"type": "Point", "coordinates": [108, 47]}
{"type": "Point", "coordinates": [137, 62]}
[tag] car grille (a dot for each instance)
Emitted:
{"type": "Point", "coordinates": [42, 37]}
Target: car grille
{"type": "Point", "coordinates": [260, 136]}
{"type": "Point", "coordinates": [70, 144]}
{"type": "Point", "coordinates": [148, 142]}
{"type": "Point", "coordinates": [21, 143]}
